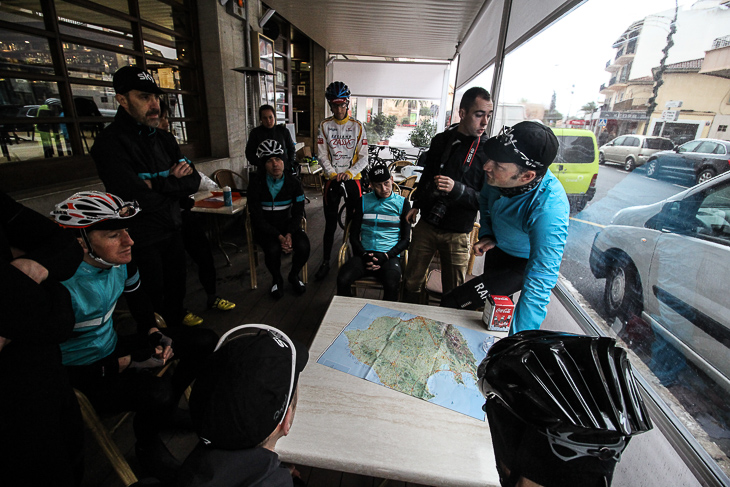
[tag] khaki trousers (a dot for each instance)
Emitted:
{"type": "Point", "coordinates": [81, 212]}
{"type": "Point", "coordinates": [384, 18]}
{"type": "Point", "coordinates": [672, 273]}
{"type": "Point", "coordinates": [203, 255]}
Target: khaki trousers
{"type": "Point", "coordinates": [453, 249]}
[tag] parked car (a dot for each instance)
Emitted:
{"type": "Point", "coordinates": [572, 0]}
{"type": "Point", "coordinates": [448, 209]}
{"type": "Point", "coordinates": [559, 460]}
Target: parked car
{"type": "Point", "coordinates": [697, 160]}
{"type": "Point", "coordinates": [668, 263]}
{"type": "Point", "coordinates": [632, 151]}
{"type": "Point", "coordinates": [576, 165]}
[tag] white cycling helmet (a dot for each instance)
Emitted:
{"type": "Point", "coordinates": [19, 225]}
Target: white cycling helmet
{"type": "Point", "coordinates": [93, 210]}
{"type": "Point", "coordinates": [267, 149]}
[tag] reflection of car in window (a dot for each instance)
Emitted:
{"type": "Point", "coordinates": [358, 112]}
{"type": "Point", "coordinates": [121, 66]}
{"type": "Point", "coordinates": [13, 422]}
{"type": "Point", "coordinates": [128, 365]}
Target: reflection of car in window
{"type": "Point", "coordinates": [695, 161]}
{"type": "Point", "coordinates": [668, 263]}
{"type": "Point", "coordinates": [632, 151]}
{"type": "Point", "coordinates": [576, 165]}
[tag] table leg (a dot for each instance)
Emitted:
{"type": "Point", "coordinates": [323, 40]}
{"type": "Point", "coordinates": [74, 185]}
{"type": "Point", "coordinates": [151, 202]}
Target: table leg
{"type": "Point", "coordinates": [251, 252]}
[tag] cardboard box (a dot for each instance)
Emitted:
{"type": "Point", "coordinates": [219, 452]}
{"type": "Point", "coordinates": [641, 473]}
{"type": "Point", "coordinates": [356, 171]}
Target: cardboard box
{"type": "Point", "coordinates": [305, 151]}
{"type": "Point", "coordinates": [498, 312]}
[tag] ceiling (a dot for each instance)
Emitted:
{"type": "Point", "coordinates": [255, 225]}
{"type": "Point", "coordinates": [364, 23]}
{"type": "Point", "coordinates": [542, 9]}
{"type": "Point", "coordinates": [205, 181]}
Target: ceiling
{"type": "Point", "coordinates": [390, 28]}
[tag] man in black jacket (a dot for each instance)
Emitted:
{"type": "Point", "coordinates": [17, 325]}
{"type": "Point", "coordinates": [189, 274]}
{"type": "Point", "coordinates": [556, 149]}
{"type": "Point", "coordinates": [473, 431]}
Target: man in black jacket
{"type": "Point", "coordinates": [448, 197]}
{"type": "Point", "coordinates": [276, 203]}
{"type": "Point", "coordinates": [269, 130]}
{"type": "Point", "coordinates": [40, 423]}
{"type": "Point", "coordinates": [136, 161]}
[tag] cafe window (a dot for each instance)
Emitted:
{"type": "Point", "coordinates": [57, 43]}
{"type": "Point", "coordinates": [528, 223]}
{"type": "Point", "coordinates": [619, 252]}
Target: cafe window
{"type": "Point", "coordinates": [649, 255]}
{"type": "Point", "coordinates": [57, 60]}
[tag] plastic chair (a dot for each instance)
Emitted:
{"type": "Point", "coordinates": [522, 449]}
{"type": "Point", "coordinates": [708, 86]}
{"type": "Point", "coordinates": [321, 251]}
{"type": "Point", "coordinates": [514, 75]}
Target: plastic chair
{"type": "Point", "coordinates": [368, 282]}
{"type": "Point", "coordinates": [253, 257]}
{"type": "Point", "coordinates": [434, 286]}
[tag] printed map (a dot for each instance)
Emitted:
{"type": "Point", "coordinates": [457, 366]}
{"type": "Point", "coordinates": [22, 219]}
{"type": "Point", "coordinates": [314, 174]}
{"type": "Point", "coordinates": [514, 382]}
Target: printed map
{"type": "Point", "coordinates": [418, 356]}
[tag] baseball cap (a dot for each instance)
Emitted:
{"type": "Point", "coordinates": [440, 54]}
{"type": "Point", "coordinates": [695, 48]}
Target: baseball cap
{"type": "Point", "coordinates": [527, 144]}
{"type": "Point", "coordinates": [379, 172]}
{"type": "Point", "coordinates": [242, 393]}
{"type": "Point", "coordinates": [131, 78]}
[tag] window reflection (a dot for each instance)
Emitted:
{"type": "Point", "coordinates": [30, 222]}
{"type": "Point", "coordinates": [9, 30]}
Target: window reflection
{"type": "Point", "coordinates": [90, 62]}
{"type": "Point", "coordinates": [169, 17]}
{"type": "Point", "coordinates": [649, 256]}
{"type": "Point", "coordinates": [23, 52]}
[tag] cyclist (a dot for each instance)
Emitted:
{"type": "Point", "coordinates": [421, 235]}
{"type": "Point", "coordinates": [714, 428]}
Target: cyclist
{"type": "Point", "coordinates": [117, 372]}
{"type": "Point", "coordinates": [561, 408]}
{"type": "Point", "coordinates": [342, 149]}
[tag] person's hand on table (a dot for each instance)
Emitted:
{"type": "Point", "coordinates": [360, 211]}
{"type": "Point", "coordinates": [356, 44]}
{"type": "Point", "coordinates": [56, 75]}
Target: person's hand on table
{"type": "Point", "coordinates": [31, 268]}
{"type": "Point", "coordinates": [483, 245]}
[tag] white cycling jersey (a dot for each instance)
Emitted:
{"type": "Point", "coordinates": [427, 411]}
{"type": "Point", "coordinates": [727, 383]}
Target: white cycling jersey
{"type": "Point", "coordinates": [342, 146]}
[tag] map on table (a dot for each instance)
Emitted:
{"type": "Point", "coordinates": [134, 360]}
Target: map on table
{"type": "Point", "coordinates": [424, 358]}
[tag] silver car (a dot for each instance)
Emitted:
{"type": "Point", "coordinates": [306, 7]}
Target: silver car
{"type": "Point", "coordinates": [669, 263]}
{"type": "Point", "coordinates": [632, 151]}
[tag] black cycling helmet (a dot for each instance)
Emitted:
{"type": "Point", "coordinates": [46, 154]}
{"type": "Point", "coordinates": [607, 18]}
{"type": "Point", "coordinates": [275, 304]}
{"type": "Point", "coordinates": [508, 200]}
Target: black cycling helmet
{"type": "Point", "coordinates": [337, 90]}
{"type": "Point", "coordinates": [578, 390]}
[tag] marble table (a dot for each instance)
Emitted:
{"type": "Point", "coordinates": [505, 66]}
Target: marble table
{"type": "Point", "coordinates": [348, 424]}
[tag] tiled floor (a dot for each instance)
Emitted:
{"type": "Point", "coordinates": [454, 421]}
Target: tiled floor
{"type": "Point", "coordinates": [298, 316]}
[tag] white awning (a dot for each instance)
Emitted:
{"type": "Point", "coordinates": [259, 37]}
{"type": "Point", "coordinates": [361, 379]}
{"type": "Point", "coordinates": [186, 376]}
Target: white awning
{"type": "Point", "coordinates": [377, 79]}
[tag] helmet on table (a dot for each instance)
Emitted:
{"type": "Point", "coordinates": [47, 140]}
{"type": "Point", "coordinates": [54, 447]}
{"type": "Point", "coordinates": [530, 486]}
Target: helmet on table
{"type": "Point", "coordinates": [578, 390]}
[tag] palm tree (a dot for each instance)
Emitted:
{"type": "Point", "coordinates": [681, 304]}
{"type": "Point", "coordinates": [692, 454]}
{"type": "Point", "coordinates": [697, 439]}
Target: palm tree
{"type": "Point", "coordinates": [591, 108]}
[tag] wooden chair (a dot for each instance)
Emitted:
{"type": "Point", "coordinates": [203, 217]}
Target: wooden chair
{"type": "Point", "coordinates": [407, 186]}
{"type": "Point", "coordinates": [369, 282]}
{"type": "Point", "coordinates": [103, 435]}
{"type": "Point", "coordinates": [253, 257]}
{"type": "Point", "coordinates": [434, 286]}
{"type": "Point", "coordinates": [235, 181]}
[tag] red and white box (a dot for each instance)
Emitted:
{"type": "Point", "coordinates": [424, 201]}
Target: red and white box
{"type": "Point", "coordinates": [498, 312]}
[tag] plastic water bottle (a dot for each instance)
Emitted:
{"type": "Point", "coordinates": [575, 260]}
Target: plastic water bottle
{"type": "Point", "coordinates": [227, 197]}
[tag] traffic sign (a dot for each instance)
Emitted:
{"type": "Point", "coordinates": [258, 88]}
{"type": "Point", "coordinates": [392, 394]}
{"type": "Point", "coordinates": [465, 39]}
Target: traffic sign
{"type": "Point", "coordinates": [670, 115]}
{"type": "Point", "coordinates": [673, 104]}
{"type": "Point", "coordinates": [602, 122]}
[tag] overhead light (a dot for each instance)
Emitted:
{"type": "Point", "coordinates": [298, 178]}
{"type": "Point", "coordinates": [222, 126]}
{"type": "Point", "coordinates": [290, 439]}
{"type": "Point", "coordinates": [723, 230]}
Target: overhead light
{"type": "Point", "coordinates": [265, 18]}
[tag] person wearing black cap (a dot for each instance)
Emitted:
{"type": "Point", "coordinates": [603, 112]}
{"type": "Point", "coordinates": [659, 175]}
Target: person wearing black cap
{"type": "Point", "coordinates": [524, 225]}
{"type": "Point", "coordinates": [448, 197]}
{"type": "Point", "coordinates": [379, 233]}
{"type": "Point", "coordinates": [243, 402]}
{"type": "Point", "coordinates": [138, 162]}
{"type": "Point", "coordinates": [276, 203]}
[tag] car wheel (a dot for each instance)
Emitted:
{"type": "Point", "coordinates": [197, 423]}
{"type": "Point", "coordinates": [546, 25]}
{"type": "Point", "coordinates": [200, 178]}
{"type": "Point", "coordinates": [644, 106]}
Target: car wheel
{"type": "Point", "coordinates": [652, 169]}
{"type": "Point", "coordinates": [601, 158]}
{"type": "Point", "coordinates": [622, 295]}
{"type": "Point", "coordinates": [630, 164]}
{"type": "Point", "coordinates": [705, 174]}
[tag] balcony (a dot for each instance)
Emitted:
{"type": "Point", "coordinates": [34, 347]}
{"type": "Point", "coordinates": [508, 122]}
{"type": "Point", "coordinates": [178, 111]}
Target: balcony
{"type": "Point", "coordinates": [612, 67]}
{"type": "Point", "coordinates": [605, 89]}
{"type": "Point", "coordinates": [626, 54]}
{"type": "Point", "coordinates": [631, 104]}
{"type": "Point", "coordinates": [717, 61]}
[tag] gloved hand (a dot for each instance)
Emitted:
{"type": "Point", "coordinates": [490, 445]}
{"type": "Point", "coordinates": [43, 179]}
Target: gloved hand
{"type": "Point", "coordinates": [145, 359]}
{"type": "Point", "coordinates": [157, 339]}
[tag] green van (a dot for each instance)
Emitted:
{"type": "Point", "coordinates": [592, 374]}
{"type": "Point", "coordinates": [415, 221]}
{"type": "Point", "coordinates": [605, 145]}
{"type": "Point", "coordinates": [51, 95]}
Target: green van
{"type": "Point", "coordinates": [576, 165]}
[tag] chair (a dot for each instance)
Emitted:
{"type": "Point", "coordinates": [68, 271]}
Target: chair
{"type": "Point", "coordinates": [407, 186]}
{"type": "Point", "coordinates": [225, 177]}
{"type": "Point", "coordinates": [253, 257]}
{"type": "Point", "coordinates": [368, 282]}
{"type": "Point", "coordinates": [434, 286]}
{"type": "Point", "coordinates": [311, 179]}
{"type": "Point", "coordinates": [396, 165]}
{"type": "Point", "coordinates": [103, 435]}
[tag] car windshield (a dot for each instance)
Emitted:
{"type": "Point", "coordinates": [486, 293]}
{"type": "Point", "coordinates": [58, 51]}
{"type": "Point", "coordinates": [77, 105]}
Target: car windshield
{"type": "Point", "coordinates": [575, 150]}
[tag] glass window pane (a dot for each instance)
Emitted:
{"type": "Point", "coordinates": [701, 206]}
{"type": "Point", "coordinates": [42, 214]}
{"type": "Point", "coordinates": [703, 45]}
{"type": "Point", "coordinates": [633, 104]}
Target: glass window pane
{"type": "Point", "coordinates": [121, 5]}
{"type": "Point", "coordinates": [88, 24]}
{"type": "Point", "coordinates": [23, 52]}
{"type": "Point", "coordinates": [25, 12]}
{"type": "Point", "coordinates": [172, 18]}
{"type": "Point", "coordinates": [90, 62]}
{"type": "Point", "coordinates": [166, 46]}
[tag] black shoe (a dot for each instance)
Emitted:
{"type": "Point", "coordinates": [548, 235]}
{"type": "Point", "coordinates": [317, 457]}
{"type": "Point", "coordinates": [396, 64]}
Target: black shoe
{"type": "Point", "coordinates": [276, 290]}
{"type": "Point", "coordinates": [323, 271]}
{"type": "Point", "coordinates": [297, 285]}
{"type": "Point", "coordinates": [156, 459]}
